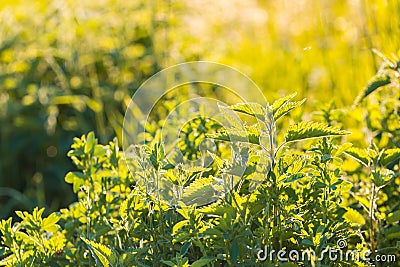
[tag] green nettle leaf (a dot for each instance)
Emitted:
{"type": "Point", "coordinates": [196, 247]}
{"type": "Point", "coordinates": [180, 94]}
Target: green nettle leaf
{"type": "Point", "coordinates": [102, 254]}
{"type": "Point", "coordinates": [235, 122]}
{"type": "Point", "coordinates": [354, 216]}
{"type": "Point", "coordinates": [389, 156]}
{"type": "Point", "coordinates": [251, 135]}
{"type": "Point", "coordinates": [343, 148]}
{"type": "Point", "coordinates": [359, 154]}
{"type": "Point", "coordinates": [307, 130]}
{"type": "Point", "coordinates": [252, 109]}
{"type": "Point", "coordinates": [287, 107]}
{"type": "Point", "coordinates": [217, 209]}
{"type": "Point", "coordinates": [382, 177]}
{"type": "Point", "coordinates": [7, 261]}
{"type": "Point", "coordinates": [239, 170]}
{"type": "Point", "coordinates": [377, 82]}
{"type": "Point", "coordinates": [281, 101]}
{"type": "Point", "coordinates": [201, 191]}
{"type": "Point", "coordinates": [196, 169]}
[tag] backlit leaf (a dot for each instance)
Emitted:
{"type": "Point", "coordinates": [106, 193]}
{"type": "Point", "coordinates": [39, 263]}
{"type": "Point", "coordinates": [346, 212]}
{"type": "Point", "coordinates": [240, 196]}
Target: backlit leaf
{"type": "Point", "coordinates": [287, 107]}
{"type": "Point", "coordinates": [389, 156]}
{"type": "Point", "coordinates": [307, 130]}
{"type": "Point", "coordinates": [358, 154]}
{"type": "Point", "coordinates": [252, 109]}
{"type": "Point", "coordinates": [376, 83]}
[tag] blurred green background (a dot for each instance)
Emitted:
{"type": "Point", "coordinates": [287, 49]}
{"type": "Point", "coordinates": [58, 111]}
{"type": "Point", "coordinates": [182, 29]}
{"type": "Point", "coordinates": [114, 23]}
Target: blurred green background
{"type": "Point", "coordinates": [69, 67]}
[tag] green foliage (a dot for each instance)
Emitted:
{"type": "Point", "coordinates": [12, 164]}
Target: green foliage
{"type": "Point", "coordinates": [252, 109]}
{"type": "Point", "coordinates": [251, 134]}
{"type": "Point", "coordinates": [72, 67]}
{"type": "Point", "coordinates": [33, 241]}
{"type": "Point", "coordinates": [376, 83]}
{"type": "Point", "coordinates": [307, 130]}
{"type": "Point", "coordinates": [257, 190]}
{"type": "Point", "coordinates": [103, 255]}
{"type": "Point", "coordinates": [283, 106]}
{"type": "Point", "coordinates": [64, 72]}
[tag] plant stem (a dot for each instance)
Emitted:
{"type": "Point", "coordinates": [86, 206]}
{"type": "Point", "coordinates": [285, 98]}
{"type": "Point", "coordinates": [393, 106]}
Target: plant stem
{"type": "Point", "coordinates": [371, 218]}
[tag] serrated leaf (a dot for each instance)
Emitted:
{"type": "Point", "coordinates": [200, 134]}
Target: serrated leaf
{"type": "Point", "coordinates": [195, 169]}
{"type": "Point", "coordinates": [359, 154]}
{"type": "Point", "coordinates": [343, 148]}
{"type": "Point", "coordinates": [251, 135]}
{"type": "Point", "coordinates": [101, 253]}
{"type": "Point", "coordinates": [354, 216]}
{"type": "Point", "coordinates": [281, 101]}
{"type": "Point", "coordinates": [200, 192]}
{"type": "Point", "coordinates": [389, 156]}
{"type": "Point", "coordinates": [241, 169]}
{"type": "Point", "coordinates": [217, 209]}
{"type": "Point", "coordinates": [233, 121]}
{"type": "Point", "coordinates": [8, 261]}
{"type": "Point", "coordinates": [252, 109]}
{"type": "Point", "coordinates": [286, 108]}
{"type": "Point", "coordinates": [377, 82]}
{"type": "Point", "coordinates": [219, 161]}
{"type": "Point", "coordinates": [307, 130]}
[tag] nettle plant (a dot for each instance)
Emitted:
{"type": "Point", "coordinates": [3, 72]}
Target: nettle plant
{"type": "Point", "coordinates": [263, 190]}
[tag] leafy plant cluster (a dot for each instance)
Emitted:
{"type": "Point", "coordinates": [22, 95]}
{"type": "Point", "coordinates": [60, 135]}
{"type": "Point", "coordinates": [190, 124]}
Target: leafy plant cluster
{"type": "Point", "coordinates": [304, 190]}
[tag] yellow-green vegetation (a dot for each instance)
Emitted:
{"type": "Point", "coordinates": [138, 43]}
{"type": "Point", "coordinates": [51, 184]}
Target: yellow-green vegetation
{"type": "Point", "coordinates": [311, 173]}
{"type": "Point", "coordinates": [311, 191]}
